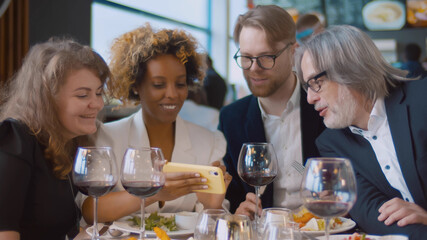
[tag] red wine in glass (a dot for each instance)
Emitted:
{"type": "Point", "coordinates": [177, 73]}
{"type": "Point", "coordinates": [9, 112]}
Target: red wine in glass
{"type": "Point", "coordinates": [142, 189]}
{"type": "Point", "coordinates": [142, 175]}
{"type": "Point", "coordinates": [328, 188]}
{"type": "Point", "coordinates": [257, 166]}
{"type": "Point", "coordinates": [95, 174]}
{"type": "Point", "coordinates": [95, 188]}
{"type": "Point", "coordinates": [258, 178]}
{"type": "Point", "coordinates": [327, 208]}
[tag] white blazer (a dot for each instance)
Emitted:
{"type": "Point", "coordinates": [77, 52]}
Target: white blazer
{"type": "Point", "coordinates": [193, 144]}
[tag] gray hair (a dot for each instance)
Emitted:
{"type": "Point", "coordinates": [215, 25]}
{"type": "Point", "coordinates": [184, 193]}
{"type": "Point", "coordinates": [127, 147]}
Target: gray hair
{"type": "Point", "coordinates": [350, 58]}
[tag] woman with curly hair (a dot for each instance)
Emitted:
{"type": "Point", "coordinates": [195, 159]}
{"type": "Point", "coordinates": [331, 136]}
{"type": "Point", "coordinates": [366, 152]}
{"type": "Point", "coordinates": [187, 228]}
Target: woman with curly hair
{"type": "Point", "coordinates": [156, 70]}
{"type": "Point", "coordinates": [48, 109]}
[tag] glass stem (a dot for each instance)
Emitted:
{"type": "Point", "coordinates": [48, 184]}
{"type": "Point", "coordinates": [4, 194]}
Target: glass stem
{"type": "Point", "coordinates": [95, 234]}
{"type": "Point", "coordinates": [256, 208]}
{"type": "Point", "coordinates": [142, 230]}
{"type": "Point", "coordinates": [327, 220]}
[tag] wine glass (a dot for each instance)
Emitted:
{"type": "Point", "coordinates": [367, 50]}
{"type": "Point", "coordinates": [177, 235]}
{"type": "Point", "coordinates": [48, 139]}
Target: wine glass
{"type": "Point", "coordinates": [95, 174]}
{"type": "Point", "coordinates": [142, 176]}
{"type": "Point", "coordinates": [328, 188]}
{"type": "Point", "coordinates": [206, 221]}
{"type": "Point", "coordinates": [257, 167]}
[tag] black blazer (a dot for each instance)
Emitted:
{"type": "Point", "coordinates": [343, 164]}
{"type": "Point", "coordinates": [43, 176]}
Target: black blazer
{"type": "Point", "coordinates": [242, 122]}
{"type": "Point", "coordinates": [406, 110]}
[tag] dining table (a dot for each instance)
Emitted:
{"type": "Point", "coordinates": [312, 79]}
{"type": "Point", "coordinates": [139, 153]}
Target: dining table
{"type": "Point", "coordinates": [83, 235]}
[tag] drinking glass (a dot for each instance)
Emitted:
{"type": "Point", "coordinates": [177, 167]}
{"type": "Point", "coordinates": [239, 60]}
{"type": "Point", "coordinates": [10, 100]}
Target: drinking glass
{"type": "Point", "coordinates": [328, 188]}
{"type": "Point", "coordinates": [278, 231]}
{"type": "Point", "coordinates": [274, 215]}
{"type": "Point", "coordinates": [234, 227]}
{"type": "Point", "coordinates": [205, 227]}
{"type": "Point", "coordinates": [257, 166]}
{"type": "Point", "coordinates": [95, 174]}
{"type": "Point", "coordinates": [142, 176]}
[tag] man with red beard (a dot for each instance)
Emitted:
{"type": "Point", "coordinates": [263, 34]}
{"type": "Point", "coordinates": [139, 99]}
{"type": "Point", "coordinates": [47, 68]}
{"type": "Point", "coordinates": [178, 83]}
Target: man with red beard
{"type": "Point", "coordinates": [377, 118]}
{"type": "Point", "coordinates": [275, 112]}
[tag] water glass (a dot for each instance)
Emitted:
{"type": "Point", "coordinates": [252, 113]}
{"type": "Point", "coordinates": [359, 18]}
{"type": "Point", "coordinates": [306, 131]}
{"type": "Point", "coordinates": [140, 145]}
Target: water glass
{"type": "Point", "coordinates": [275, 214]}
{"type": "Point", "coordinates": [234, 227]}
{"type": "Point", "coordinates": [206, 222]}
{"type": "Point", "coordinates": [279, 231]}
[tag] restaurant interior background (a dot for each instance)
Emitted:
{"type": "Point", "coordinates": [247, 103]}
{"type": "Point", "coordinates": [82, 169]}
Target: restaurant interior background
{"type": "Point", "coordinates": [98, 22]}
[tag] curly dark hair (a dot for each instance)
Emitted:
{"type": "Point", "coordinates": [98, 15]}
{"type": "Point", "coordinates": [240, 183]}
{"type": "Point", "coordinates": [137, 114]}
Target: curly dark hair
{"type": "Point", "coordinates": [131, 52]}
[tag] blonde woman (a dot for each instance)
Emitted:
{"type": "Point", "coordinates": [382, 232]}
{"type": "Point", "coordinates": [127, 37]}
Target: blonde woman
{"type": "Point", "coordinates": [50, 105]}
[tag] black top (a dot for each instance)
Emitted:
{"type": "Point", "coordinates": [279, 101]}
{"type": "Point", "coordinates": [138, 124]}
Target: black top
{"type": "Point", "coordinates": [242, 122]}
{"type": "Point", "coordinates": [32, 201]}
{"type": "Point", "coordinates": [215, 88]}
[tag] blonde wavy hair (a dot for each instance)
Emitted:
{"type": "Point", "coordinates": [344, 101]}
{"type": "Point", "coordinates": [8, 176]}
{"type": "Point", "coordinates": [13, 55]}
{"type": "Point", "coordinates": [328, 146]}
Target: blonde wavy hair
{"type": "Point", "coordinates": [31, 95]}
{"type": "Point", "coordinates": [131, 51]}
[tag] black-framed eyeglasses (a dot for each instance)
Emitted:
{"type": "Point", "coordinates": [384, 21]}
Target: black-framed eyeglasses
{"type": "Point", "coordinates": [314, 83]}
{"type": "Point", "coordinates": [265, 61]}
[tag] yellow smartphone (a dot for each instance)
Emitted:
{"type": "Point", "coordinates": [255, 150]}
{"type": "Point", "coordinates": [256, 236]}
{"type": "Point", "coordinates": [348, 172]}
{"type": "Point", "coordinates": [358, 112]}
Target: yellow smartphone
{"type": "Point", "coordinates": [214, 176]}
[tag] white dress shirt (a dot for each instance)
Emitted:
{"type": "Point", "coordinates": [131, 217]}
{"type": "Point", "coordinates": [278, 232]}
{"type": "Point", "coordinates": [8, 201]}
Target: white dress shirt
{"type": "Point", "coordinates": [379, 136]}
{"type": "Point", "coordinates": [193, 145]}
{"type": "Point", "coordinates": [284, 133]}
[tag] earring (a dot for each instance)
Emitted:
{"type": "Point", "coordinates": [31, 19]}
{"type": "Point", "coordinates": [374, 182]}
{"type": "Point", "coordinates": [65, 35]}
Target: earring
{"type": "Point", "coordinates": [135, 92]}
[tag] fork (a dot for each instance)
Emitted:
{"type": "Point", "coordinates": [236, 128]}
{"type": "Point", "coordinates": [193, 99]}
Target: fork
{"type": "Point", "coordinates": [298, 166]}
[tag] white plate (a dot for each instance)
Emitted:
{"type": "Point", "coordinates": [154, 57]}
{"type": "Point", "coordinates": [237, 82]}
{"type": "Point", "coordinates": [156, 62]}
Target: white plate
{"type": "Point", "coordinates": [371, 237]}
{"type": "Point", "coordinates": [89, 231]}
{"type": "Point", "coordinates": [125, 225]}
{"type": "Point", "coordinates": [345, 237]}
{"type": "Point", "coordinates": [347, 224]}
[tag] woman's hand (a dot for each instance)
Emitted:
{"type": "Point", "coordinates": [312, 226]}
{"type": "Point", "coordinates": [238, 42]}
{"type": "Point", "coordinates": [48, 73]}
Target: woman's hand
{"type": "Point", "coordinates": [214, 201]}
{"type": "Point", "coordinates": [179, 184]}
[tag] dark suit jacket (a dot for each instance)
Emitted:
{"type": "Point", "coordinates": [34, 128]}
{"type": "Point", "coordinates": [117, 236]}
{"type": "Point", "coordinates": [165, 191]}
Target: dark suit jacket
{"type": "Point", "coordinates": [406, 109]}
{"type": "Point", "coordinates": [242, 122]}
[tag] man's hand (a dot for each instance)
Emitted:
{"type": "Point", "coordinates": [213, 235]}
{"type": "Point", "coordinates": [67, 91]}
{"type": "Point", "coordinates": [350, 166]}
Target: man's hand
{"type": "Point", "coordinates": [403, 212]}
{"type": "Point", "coordinates": [248, 206]}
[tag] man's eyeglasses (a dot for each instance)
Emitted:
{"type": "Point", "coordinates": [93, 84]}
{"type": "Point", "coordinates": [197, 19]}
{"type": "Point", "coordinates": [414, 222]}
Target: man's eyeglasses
{"type": "Point", "coordinates": [265, 61]}
{"type": "Point", "coordinates": [314, 83]}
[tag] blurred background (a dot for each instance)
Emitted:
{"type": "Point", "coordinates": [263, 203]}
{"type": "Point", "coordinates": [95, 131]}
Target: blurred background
{"type": "Point", "coordinates": [392, 24]}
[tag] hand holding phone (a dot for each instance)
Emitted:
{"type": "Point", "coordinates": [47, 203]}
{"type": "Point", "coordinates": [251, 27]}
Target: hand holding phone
{"type": "Point", "coordinates": [214, 176]}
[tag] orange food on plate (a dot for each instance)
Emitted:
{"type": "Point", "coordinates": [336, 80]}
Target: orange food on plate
{"type": "Point", "coordinates": [357, 236]}
{"type": "Point", "coordinates": [161, 234]}
{"type": "Point", "coordinates": [303, 216]}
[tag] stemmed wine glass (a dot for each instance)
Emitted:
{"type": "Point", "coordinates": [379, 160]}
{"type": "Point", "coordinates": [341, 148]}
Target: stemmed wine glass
{"type": "Point", "coordinates": [95, 174]}
{"type": "Point", "coordinates": [142, 176]}
{"type": "Point", "coordinates": [328, 188]}
{"type": "Point", "coordinates": [257, 167]}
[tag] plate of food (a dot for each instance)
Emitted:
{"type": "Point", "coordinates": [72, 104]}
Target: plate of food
{"type": "Point", "coordinates": [315, 226]}
{"type": "Point", "coordinates": [357, 236]}
{"type": "Point", "coordinates": [165, 221]}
